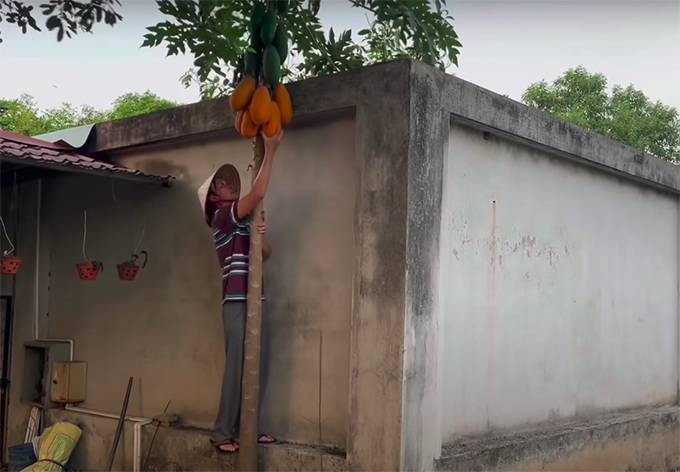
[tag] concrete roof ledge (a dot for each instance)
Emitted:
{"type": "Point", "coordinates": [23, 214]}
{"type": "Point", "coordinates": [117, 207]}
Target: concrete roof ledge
{"type": "Point", "coordinates": [467, 103]}
{"type": "Point", "coordinates": [478, 107]}
{"type": "Point", "coordinates": [309, 97]}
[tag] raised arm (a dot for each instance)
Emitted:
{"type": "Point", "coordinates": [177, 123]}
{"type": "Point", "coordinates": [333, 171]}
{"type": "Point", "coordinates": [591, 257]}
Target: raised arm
{"type": "Point", "coordinates": [261, 183]}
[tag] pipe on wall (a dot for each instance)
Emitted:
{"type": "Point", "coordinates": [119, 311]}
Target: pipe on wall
{"type": "Point", "coordinates": [36, 283]}
{"type": "Point", "coordinates": [136, 435]}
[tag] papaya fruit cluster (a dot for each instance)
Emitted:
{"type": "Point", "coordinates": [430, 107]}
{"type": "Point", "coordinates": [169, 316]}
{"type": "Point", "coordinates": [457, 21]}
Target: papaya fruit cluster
{"type": "Point", "coordinates": [260, 100]}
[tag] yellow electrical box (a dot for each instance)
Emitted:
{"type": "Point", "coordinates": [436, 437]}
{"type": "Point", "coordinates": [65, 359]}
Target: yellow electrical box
{"type": "Point", "coordinates": [68, 382]}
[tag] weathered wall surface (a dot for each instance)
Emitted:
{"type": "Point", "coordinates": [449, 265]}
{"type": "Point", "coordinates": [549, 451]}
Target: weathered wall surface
{"type": "Point", "coordinates": [638, 439]}
{"type": "Point", "coordinates": [24, 307]}
{"type": "Point", "coordinates": [165, 328]}
{"type": "Point", "coordinates": [558, 290]}
{"type": "Point", "coordinates": [339, 222]}
{"type": "Point", "coordinates": [558, 299]}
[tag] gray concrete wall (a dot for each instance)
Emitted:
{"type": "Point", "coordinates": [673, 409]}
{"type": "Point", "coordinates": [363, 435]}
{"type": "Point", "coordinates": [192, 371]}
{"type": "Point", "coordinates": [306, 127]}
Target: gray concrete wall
{"type": "Point", "coordinates": [24, 307]}
{"type": "Point", "coordinates": [594, 223]}
{"type": "Point", "coordinates": [165, 328]}
{"type": "Point", "coordinates": [386, 155]}
{"type": "Point", "coordinates": [363, 173]}
{"type": "Point", "coordinates": [559, 286]}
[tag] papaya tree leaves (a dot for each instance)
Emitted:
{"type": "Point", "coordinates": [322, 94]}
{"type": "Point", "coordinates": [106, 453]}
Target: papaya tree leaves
{"type": "Point", "coordinates": [336, 55]}
{"type": "Point", "coordinates": [213, 32]}
{"type": "Point", "coordinates": [66, 17]}
{"type": "Point", "coordinates": [217, 33]}
{"type": "Point", "coordinates": [424, 34]}
{"type": "Point", "coordinates": [383, 43]}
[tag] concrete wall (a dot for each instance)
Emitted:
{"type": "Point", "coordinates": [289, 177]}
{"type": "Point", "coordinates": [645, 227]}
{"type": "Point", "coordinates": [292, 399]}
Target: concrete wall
{"type": "Point", "coordinates": [593, 330]}
{"type": "Point", "coordinates": [411, 343]}
{"type": "Point", "coordinates": [395, 189]}
{"type": "Point", "coordinates": [24, 306]}
{"type": "Point", "coordinates": [165, 328]}
{"type": "Point", "coordinates": [559, 288]}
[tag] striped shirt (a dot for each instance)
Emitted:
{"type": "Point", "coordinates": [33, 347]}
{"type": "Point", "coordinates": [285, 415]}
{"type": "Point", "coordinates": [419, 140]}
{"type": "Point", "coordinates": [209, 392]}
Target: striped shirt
{"type": "Point", "coordinates": [232, 242]}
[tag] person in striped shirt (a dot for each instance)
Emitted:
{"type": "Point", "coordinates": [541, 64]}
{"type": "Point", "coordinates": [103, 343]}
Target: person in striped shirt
{"type": "Point", "coordinates": [228, 215]}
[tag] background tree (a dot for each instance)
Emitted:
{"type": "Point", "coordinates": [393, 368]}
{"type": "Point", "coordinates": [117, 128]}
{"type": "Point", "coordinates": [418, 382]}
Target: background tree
{"type": "Point", "coordinates": [216, 34]}
{"type": "Point", "coordinates": [66, 17]}
{"type": "Point", "coordinates": [23, 116]}
{"type": "Point", "coordinates": [624, 114]}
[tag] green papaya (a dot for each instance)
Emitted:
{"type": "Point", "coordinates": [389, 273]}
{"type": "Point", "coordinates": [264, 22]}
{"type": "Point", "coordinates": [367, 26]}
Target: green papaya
{"type": "Point", "coordinates": [271, 64]}
{"type": "Point", "coordinates": [268, 29]}
{"type": "Point", "coordinates": [282, 6]}
{"type": "Point", "coordinates": [256, 42]}
{"type": "Point", "coordinates": [253, 61]}
{"type": "Point", "coordinates": [257, 15]}
{"type": "Point", "coordinates": [281, 43]}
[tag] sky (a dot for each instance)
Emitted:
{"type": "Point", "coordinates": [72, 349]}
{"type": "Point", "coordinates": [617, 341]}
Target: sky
{"type": "Point", "coordinates": [507, 45]}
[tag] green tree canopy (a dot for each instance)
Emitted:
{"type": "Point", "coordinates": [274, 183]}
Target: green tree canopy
{"type": "Point", "coordinates": [65, 17]}
{"type": "Point", "coordinates": [624, 114]}
{"type": "Point", "coordinates": [217, 35]}
{"type": "Point", "coordinates": [23, 116]}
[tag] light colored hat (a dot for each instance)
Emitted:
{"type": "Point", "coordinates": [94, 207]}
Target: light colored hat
{"type": "Point", "coordinates": [229, 173]}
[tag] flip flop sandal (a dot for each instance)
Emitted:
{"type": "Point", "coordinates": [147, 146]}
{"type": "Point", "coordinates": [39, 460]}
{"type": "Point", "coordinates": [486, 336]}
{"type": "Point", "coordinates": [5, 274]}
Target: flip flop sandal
{"type": "Point", "coordinates": [261, 439]}
{"type": "Point", "coordinates": [227, 442]}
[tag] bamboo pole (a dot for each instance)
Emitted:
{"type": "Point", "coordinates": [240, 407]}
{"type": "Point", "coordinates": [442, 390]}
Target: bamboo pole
{"type": "Point", "coordinates": [250, 388]}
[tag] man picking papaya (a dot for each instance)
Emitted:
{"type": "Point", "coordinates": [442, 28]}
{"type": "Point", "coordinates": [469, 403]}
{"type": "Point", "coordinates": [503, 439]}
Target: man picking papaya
{"type": "Point", "coordinates": [229, 215]}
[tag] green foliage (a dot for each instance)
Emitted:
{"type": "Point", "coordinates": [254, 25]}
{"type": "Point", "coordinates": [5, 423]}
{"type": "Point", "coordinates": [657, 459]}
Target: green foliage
{"type": "Point", "coordinates": [217, 33]}
{"type": "Point", "coordinates": [23, 116]}
{"type": "Point", "coordinates": [625, 114]}
{"type": "Point", "coordinates": [65, 17]}
{"type": "Point", "coordinates": [133, 104]}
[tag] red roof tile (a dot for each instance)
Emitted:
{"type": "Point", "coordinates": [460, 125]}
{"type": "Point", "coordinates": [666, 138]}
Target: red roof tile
{"type": "Point", "coordinates": [31, 149]}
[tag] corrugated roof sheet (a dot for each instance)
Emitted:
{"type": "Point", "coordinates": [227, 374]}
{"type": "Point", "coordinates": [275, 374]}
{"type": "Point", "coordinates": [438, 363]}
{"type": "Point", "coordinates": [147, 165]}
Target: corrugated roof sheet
{"type": "Point", "coordinates": [75, 137]}
{"type": "Point", "coordinates": [58, 154]}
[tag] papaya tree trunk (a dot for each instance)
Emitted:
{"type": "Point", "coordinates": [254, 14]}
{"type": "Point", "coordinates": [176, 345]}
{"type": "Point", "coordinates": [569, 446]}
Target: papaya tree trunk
{"type": "Point", "coordinates": [250, 388]}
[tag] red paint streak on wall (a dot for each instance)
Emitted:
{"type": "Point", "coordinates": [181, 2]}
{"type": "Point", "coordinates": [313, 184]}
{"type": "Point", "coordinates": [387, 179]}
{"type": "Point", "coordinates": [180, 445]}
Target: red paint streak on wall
{"type": "Point", "coordinates": [492, 312]}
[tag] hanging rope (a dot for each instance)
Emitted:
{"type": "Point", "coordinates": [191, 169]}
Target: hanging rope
{"type": "Point", "coordinates": [139, 243]}
{"type": "Point", "coordinates": [11, 207]}
{"type": "Point", "coordinates": [4, 231]}
{"type": "Point", "coordinates": [84, 233]}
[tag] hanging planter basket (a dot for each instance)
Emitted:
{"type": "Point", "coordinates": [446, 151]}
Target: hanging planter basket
{"type": "Point", "coordinates": [128, 270]}
{"type": "Point", "coordinates": [89, 270]}
{"type": "Point", "coordinates": [10, 265]}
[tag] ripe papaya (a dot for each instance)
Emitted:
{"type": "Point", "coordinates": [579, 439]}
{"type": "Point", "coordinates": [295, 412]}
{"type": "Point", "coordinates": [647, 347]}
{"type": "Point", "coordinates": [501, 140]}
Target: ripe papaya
{"type": "Point", "coordinates": [261, 106]}
{"type": "Point", "coordinates": [257, 15]}
{"type": "Point", "coordinates": [274, 124]}
{"type": "Point", "coordinates": [249, 129]}
{"type": "Point", "coordinates": [281, 43]}
{"type": "Point", "coordinates": [271, 65]}
{"type": "Point", "coordinates": [282, 6]}
{"type": "Point", "coordinates": [238, 120]}
{"type": "Point", "coordinates": [282, 99]}
{"type": "Point", "coordinates": [253, 61]}
{"type": "Point", "coordinates": [244, 91]}
{"type": "Point", "coordinates": [268, 28]}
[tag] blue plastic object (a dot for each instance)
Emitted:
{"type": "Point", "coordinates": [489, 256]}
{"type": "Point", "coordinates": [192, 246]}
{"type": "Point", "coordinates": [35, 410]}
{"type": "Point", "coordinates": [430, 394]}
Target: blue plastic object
{"type": "Point", "coordinates": [20, 457]}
